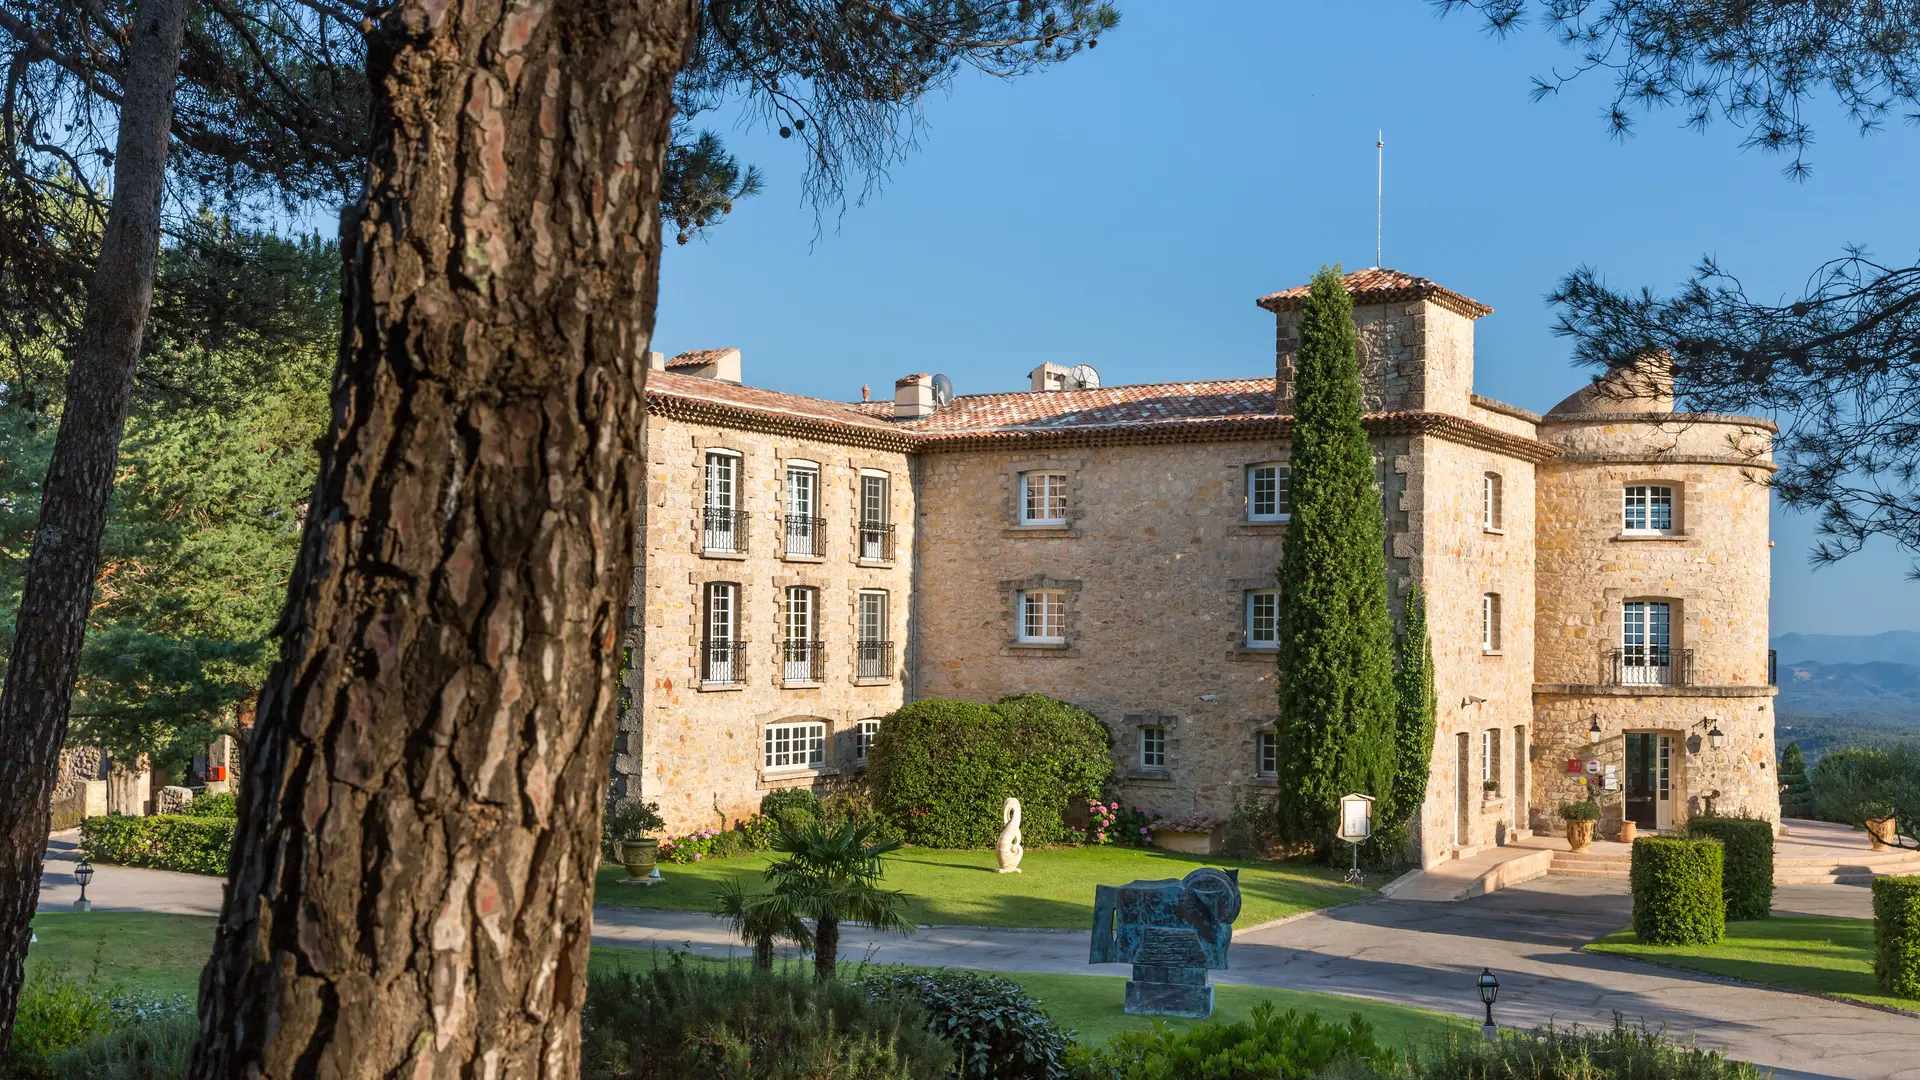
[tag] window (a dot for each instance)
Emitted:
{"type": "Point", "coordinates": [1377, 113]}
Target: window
{"type": "Point", "coordinates": [1267, 745]}
{"type": "Point", "coordinates": [1646, 643]}
{"type": "Point", "coordinates": [1492, 500]}
{"type": "Point", "coordinates": [1647, 509]}
{"type": "Point", "coordinates": [1153, 748]}
{"type": "Point", "coordinates": [724, 527]}
{"type": "Point", "coordinates": [863, 733]}
{"type": "Point", "coordinates": [1043, 616]}
{"type": "Point", "coordinates": [795, 746]}
{"type": "Point", "coordinates": [721, 663]}
{"type": "Point", "coordinates": [801, 653]}
{"type": "Point", "coordinates": [1263, 619]}
{"type": "Point", "coordinates": [1268, 488]}
{"type": "Point", "coordinates": [875, 652]}
{"type": "Point", "coordinates": [1043, 498]}
{"type": "Point", "coordinates": [803, 505]}
{"type": "Point", "coordinates": [1490, 622]}
{"type": "Point", "coordinates": [1666, 763]}
{"type": "Point", "coordinates": [1487, 767]}
{"type": "Point", "coordinates": [876, 531]}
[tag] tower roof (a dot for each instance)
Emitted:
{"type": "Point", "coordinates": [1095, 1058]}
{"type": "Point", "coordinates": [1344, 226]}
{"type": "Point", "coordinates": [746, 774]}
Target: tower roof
{"type": "Point", "coordinates": [1379, 285]}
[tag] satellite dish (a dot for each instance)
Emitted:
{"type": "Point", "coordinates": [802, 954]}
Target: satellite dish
{"type": "Point", "coordinates": [1086, 377]}
{"type": "Point", "coordinates": [942, 390]}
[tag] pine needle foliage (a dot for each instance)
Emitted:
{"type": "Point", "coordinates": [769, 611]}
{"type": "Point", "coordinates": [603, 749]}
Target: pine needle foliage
{"type": "Point", "coordinates": [1418, 708]}
{"type": "Point", "coordinates": [1335, 664]}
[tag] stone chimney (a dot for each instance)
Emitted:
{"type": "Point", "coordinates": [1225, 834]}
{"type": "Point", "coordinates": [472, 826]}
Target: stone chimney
{"type": "Point", "coordinates": [720, 365]}
{"type": "Point", "coordinates": [656, 361]}
{"type": "Point", "coordinates": [913, 397]}
{"type": "Point", "coordinates": [1051, 376]}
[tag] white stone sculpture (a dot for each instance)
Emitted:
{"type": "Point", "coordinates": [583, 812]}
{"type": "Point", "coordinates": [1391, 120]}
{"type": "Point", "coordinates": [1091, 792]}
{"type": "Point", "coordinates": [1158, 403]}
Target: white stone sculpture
{"type": "Point", "coordinates": [1009, 848]}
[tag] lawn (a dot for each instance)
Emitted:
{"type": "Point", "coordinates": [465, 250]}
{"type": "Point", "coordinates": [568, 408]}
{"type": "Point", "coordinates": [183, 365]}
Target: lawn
{"type": "Point", "coordinates": [162, 955]}
{"type": "Point", "coordinates": [1822, 954]}
{"type": "Point", "coordinates": [1054, 889]}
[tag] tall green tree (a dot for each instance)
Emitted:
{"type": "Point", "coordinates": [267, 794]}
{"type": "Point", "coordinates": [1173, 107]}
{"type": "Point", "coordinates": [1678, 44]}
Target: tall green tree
{"type": "Point", "coordinates": [1337, 700]}
{"type": "Point", "coordinates": [1796, 790]}
{"type": "Point", "coordinates": [1416, 711]}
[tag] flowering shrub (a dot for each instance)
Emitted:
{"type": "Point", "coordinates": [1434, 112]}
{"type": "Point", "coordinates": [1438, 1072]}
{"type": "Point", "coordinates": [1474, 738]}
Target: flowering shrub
{"type": "Point", "coordinates": [690, 848]}
{"type": "Point", "coordinates": [1102, 822]}
{"type": "Point", "coordinates": [1133, 827]}
{"type": "Point", "coordinates": [760, 829]}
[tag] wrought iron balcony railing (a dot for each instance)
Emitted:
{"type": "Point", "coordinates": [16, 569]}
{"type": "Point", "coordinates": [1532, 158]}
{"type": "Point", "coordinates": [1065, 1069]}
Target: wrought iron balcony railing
{"type": "Point", "coordinates": [1773, 667]}
{"type": "Point", "coordinates": [806, 535]}
{"type": "Point", "coordinates": [1649, 665]}
{"type": "Point", "coordinates": [876, 541]}
{"type": "Point", "coordinates": [803, 661]}
{"type": "Point", "coordinates": [722, 663]}
{"type": "Point", "coordinates": [725, 530]}
{"type": "Point", "coordinates": [874, 660]}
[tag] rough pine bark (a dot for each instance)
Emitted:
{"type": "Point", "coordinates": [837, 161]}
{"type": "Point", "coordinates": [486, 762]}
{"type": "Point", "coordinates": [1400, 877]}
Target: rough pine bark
{"type": "Point", "coordinates": [58, 592]}
{"type": "Point", "coordinates": [411, 889]}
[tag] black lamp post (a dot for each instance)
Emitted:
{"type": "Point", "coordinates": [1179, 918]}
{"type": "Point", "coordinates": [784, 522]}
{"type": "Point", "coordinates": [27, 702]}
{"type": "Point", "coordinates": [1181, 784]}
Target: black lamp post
{"type": "Point", "coordinates": [83, 873]}
{"type": "Point", "coordinates": [1489, 990]}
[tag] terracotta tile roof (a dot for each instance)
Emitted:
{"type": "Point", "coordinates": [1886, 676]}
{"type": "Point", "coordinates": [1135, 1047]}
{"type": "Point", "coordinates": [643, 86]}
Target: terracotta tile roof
{"type": "Point", "coordinates": [881, 409]}
{"type": "Point", "coordinates": [1380, 285]}
{"type": "Point", "coordinates": [771, 402]}
{"type": "Point", "coordinates": [1103, 407]}
{"type": "Point", "coordinates": [696, 358]}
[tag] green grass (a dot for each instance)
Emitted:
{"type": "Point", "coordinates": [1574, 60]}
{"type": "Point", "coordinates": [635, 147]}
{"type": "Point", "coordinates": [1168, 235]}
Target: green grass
{"type": "Point", "coordinates": [1825, 955]}
{"type": "Point", "coordinates": [1091, 1005]}
{"type": "Point", "coordinates": [162, 955]}
{"type": "Point", "coordinates": [1054, 889]}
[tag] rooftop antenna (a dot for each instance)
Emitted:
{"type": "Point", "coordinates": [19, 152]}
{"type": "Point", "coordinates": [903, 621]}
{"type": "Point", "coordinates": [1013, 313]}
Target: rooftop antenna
{"type": "Point", "coordinates": [1379, 193]}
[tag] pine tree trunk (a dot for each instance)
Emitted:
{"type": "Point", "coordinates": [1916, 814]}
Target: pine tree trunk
{"type": "Point", "coordinates": [826, 948]}
{"type": "Point", "coordinates": [412, 881]}
{"type": "Point", "coordinates": [58, 592]}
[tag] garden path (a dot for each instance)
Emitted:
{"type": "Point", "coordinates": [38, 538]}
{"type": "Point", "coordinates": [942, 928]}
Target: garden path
{"type": "Point", "coordinates": [1412, 953]}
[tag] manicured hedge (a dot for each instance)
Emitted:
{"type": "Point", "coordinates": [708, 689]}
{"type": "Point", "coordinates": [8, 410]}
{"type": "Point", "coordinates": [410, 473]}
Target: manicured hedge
{"type": "Point", "coordinates": [942, 770]}
{"type": "Point", "coordinates": [1896, 935]}
{"type": "Point", "coordinates": [193, 845]}
{"type": "Point", "coordinates": [1676, 891]}
{"type": "Point", "coordinates": [1747, 873]}
{"type": "Point", "coordinates": [999, 1031]}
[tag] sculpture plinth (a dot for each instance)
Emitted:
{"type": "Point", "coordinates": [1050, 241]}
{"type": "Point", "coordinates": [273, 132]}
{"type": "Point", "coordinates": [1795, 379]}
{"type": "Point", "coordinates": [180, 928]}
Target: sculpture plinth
{"type": "Point", "coordinates": [1172, 932]}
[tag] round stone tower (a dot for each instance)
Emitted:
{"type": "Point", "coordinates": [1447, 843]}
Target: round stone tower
{"type": "Point", "coordinates": [1651, 618]}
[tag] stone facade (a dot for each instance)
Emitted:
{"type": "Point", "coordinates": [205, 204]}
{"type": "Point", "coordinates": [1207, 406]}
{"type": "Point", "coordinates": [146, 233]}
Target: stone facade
{"type": "Point", "coordinates": [1140, 569]}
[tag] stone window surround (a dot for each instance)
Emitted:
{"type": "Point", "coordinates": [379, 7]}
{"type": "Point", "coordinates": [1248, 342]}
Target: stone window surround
{"type": "Point", "coordinates": [1128, 744]}
{"type": "Point", "coordinates": [699, 578]}
{"type": "Point", "coordinates": [768, 780]}
{"type": "Point", "coordinates": [1240, 464]}
{"type": "Point", "coordinates": [853, 633]}
{"type": "Point", "coordinates": [1074, 467]}
{"type": "Point", "coordinates": [1617, 601]}
{"type": "Point", "coordinates": [1679, 530]}
{"type": "Point", "coordinates": [1251, 743]}
{"type": "Point", "coordinates": [702, 444]}
{"type": "Point", "coordinates": [857, 468]}
{"type": "Point", "coordinates": [1009, 602]}
{"type": "Point", "coordinates": [1493, 519]}
{"type": "Point", "coordinates": [789, 578]}
{"type": "Point", "coordinates": [1497, 631]}
{"type": "Point", "coordinates": [1236, 642]}
{"type": "Point", "coordinates": [783, 460]}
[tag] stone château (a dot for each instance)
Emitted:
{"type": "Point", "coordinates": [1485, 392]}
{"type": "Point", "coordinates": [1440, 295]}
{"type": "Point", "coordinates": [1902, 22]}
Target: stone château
{"type": "Point", "coordinates": [1597, 577]}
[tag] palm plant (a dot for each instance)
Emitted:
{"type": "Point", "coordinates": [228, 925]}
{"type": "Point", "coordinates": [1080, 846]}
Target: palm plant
{"type": "Point", "coordinates": [761, 919]}
{"type": "Point", "coordinates": [831, 875]}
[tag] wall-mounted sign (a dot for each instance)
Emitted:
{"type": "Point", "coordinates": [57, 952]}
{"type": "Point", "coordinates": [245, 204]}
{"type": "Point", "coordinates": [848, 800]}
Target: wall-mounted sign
{"type": "Point", "coordinates": [1593, 767]}
{"type": "Point", "coordinates": [1574, 767]}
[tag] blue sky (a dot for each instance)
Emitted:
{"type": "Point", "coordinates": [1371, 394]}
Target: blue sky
{"type": "Point", "coordinates": [1124, 209]}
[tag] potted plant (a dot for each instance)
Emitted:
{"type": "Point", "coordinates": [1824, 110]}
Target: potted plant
{"type": "Point", "coordinates": [1490, 788]}
{"type": "Point", "coordinates": [625, 830]}
{"type": "Point", "coordinates": [1580, 818]}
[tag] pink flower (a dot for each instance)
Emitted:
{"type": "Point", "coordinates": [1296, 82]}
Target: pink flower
{"type": "Point", "coordinates": [696, 855]}
{"type": "Point", "coordinates": [1143, 830]}
{"type": "Point", "coordinates": [1103, 838]}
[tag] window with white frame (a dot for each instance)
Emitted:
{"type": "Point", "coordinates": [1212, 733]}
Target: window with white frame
{"type": "Point", "coordinates": [1647, 508]}
{"type": "Point", "coordinates": [1263, 619]}
{"type": "Point", "coordinates": [721, 663]}
{"type": "Point", "coordinates": [1043, 498]}
{"type": "Point", "coordinates": [795, 746]}
{"type": "Point", "coordinates": [1492, 502]}
{"type": "Point", "coordinates": [876, 527]}
{"type": "Point", "coordinates": [721, 519]}
{"type": "Point", "coordinates": [1268, 488]}
{"type": "Point", "coordinates": [800, 651]}
{"type": "Point", "coordinates": [803, 509]}
{"type": "Point", "coordinates": [1268, 751]}
{"type": "Point", "coordinates": [1490, 622]}
{"type": "Point", "coordinates": [874, 653]}
{"type": "Point", "coordinates": [1490, 755]}
{"type": "Point", "coordinates": [863, 733]}
{"type": "Point", "coordinates": [1043, 616]}
{"type": "Point", "coordinates": [1646, 639]}
{"type": "Point", "coordinates": [1153, 747]}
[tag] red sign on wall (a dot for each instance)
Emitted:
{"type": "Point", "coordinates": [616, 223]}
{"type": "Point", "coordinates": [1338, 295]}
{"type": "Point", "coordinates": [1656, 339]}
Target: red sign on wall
{"type": "Point", "coordinates": [1574, 766]}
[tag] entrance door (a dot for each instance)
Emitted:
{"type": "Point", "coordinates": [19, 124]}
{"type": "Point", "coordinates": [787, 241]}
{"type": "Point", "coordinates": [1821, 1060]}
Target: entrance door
{"type": "Point", "coordinates": [1642, 780]}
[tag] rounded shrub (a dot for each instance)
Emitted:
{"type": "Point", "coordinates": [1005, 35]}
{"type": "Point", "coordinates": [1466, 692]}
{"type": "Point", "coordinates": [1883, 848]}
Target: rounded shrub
{"type": "Point", "coordinates": [192, 845]}
{"type": "Point", "coordinates": [1746, 874]}
{"type": "Point", "coordinates": [795, 808]}
{"type": "Point", "coordinates": [942, 770]}
{"type": "Point", "coordinates": [1676, 891]}
{"type": "Point", "coordinates": [1896, 935]}
{"type": "Point", "coordinates": [212, 804]}
{"type": "Point", "coordinates": [999, 1032]}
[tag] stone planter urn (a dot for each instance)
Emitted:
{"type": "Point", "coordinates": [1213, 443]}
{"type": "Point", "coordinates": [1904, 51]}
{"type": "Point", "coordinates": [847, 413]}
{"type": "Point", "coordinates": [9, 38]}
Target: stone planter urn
{"type": "Point", "coordinates": [1579, 834]}
{"type": "Point", "coordinates": [639, 857]}
{"type": "Point", "coordinates": [1881, 832]}
{"type": "Point", "coordinates": [1629, 829]}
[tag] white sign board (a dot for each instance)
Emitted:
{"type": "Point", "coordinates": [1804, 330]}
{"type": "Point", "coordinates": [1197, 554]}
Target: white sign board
{"type": "Point", "coordinates": [1356, 817]}
{"type": "Point", "coordinates": [1593, 767]}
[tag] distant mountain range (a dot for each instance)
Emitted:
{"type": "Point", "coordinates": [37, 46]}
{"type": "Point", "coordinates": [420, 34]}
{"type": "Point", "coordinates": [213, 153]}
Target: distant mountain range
{"type": "Point", "coordinates": [1838, 689]}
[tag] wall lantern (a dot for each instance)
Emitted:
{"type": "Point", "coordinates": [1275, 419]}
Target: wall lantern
{"type": "Point", "coordinates": [83, 873]}
{"type": "Point", "coordinates": [1715, 737]}
{"type": "Point", "coordinates": [1489, 990]}
{"type": "Point", "coordinates": [1593, 730]}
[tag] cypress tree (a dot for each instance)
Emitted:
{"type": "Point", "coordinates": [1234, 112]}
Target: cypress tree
{"type": "Point", "coordinates": [1336, 689]}
{"type": "Point", "coordinates": [1796, 794]}
{"type": "Point", "coordinates": [1417, 708]}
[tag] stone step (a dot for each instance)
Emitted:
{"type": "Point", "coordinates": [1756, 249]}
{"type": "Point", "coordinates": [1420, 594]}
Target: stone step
{"type": "Point", "coordinates": [1609, 874]}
